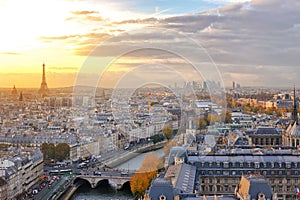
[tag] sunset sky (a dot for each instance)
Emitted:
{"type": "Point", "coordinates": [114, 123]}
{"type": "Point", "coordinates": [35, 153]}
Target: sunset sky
{"type": "Point", "coordinates": [252, 42]}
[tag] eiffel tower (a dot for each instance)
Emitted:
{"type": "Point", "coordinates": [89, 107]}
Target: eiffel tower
{"type": "Point", "coordinates": [44, 88]}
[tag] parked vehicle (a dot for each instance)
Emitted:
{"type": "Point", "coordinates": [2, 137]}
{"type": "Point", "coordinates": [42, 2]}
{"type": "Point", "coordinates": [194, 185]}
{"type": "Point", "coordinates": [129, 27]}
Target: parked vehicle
{"type": "Point", "coordinates": [97, 173]}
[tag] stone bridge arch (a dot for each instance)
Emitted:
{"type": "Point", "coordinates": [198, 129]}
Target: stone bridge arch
{"type": "Point", "coordinates": [95, 180]}
{"type": "Point", "coordinates": [79, 179]}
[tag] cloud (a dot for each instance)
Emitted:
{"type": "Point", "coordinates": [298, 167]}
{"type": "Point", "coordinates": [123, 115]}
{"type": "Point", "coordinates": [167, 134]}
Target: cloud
{"type": "Point", "coordinates": [86, 16]}
{"type": "Point", "coordinates": [62, 37]}
{"type": "Point", "coordinates": [239, 38]}
{"type": "Point", "coordinates": [227, 1]}
{"type": "Point", "coordinates": [150, 20]}
{"type": "Point", "coordinates": [84, 12]}
{"type": "Point", "coordinates": [10, 53]}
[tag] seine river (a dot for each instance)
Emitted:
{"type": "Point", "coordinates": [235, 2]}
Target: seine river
{"type": "Point", "coordinates": [107, 192]}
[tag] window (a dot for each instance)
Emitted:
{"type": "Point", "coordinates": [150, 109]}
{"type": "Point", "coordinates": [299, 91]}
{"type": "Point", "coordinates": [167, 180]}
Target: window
{"type": "Point", "coordinates": [225, 188]}
{"type": "Point", "coordinates": [272, 165]}
{"type": "Point", "coordinates": [202, 188]}
{"type": "Point", "coordinates": [226, 164]}
{"type": "Point", "coordinates": [162, 197]}
{"type": "Point", "coordinates": [264, 173]}
{"type": "Point", "coordinates": [265, 165]}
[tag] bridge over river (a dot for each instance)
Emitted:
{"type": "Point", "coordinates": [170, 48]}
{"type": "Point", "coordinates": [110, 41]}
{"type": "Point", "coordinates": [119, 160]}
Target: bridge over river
{"type": "Point", "coordinates": [115, 177]}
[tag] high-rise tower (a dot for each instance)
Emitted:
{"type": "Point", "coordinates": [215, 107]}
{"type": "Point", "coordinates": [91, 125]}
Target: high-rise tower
{"type": "Point", "coordinates": [44, 88]}
{"type": "Point", "coordinates": [295, 113]}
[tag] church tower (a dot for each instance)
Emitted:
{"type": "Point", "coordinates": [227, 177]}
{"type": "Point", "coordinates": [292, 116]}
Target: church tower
{"type": "Point", "coordinates": [44, 88]}
{"type": "Point", "coordinates": [295, 113]}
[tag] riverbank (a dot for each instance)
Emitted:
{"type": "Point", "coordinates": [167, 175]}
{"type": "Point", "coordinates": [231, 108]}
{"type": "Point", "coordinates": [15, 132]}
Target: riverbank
{"type": "Point", "coordinates": [128, 155]}
{"type": "Point", "coordinates": [114, 162]}
{"type": "Point", "coordinates": [70, 191]}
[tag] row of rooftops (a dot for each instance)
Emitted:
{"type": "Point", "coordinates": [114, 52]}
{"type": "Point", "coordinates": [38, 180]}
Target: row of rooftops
{"type": "Point", "coordinates": [10, 163]}
{"type": "Point", "coordinates": [275, 158]}
{"type": "Point", "coordinates": [246, 158]}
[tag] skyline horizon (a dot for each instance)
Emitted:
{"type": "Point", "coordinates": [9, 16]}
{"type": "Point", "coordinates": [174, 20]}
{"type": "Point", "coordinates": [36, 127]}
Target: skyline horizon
{"type": "Point", "coordinates": [251, 42]}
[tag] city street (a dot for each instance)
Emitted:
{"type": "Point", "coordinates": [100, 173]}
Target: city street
{"type": "Point", "coordinates": [49, 191]}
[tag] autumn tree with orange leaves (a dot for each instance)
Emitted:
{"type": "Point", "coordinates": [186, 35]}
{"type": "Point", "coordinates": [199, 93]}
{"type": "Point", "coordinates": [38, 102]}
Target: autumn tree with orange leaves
{"type": "Point", "coordinates": [141, 180]}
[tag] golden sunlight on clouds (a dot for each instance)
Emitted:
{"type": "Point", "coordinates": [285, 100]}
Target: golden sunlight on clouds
{"type": "Point", "coordinates": [62, 33]}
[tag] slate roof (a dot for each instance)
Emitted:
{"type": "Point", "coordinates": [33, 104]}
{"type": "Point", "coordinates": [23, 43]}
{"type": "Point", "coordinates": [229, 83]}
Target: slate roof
{"type": "Point", "coordinates": [2, 182]}
{"type": "Point", "coordinates": [245, 158]}
{"type": "Point", "coordinates": [177, 152]}
{"type": "Point", "coordinates": [161, 186]}
{"type": "Point", "coordinates": [10, 171]}
{"type": "Point", "coordinates": [210, 198]}
{"type": "Point", "coordinates": [294, 130]}
{"type": "Point", "coordinates": [186, 179]}
{"type": "Point", "coordinates": [254, 185]}
{"type": "Point", "coordinates": [263, 131]}
{"type": "Point", "coordinates": [184, 176]}
{"type": "Point", "coordinates": [37, 155]}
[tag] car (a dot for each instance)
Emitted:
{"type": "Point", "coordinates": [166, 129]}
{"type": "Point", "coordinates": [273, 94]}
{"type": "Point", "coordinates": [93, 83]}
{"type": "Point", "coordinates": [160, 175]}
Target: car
{"type": "Point", "coordinates": [81, 165]}
{"type": "Point", "coordinates": [97, 173]}
{"type": "Point", "coordinates": [124, 173]}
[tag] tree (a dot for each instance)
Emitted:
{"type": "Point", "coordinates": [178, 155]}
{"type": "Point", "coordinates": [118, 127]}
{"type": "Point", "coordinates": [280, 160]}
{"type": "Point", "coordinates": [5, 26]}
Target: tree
{"type": "Point", "coordinates": [228, 117]}
{"type": "Point", "coordinates": [48, 151]}
{"type": "Point", "coordinates": [59, 152]}
{"type": "Point", "coordinates": [62, 151]}
{"type": "Point", "coordinates": [168, 131]}
{"type": "Point", "coordinates": [202, 123]}
{"type": "Point", "coordinates": [141, 180]}
{"type": "Point", "coordinates": [157, 138]}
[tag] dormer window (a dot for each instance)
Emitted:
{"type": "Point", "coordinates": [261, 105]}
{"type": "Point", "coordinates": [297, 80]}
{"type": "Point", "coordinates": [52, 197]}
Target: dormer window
{"type": "Point", "coordinates": [261, 196]}
{"type": "Point", "coordinates": [162, 197]}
